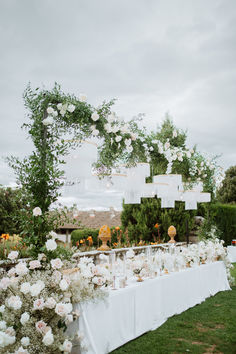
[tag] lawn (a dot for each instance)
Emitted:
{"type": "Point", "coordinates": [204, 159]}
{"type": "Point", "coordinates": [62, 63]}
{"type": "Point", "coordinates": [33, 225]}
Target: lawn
{"type": "Point", "coordinates": [206, 328]}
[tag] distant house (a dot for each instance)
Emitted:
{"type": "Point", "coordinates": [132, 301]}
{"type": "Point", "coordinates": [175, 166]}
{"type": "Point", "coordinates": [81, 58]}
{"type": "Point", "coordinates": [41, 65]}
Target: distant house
{"type": "Point", "coordinates": [89, 219]}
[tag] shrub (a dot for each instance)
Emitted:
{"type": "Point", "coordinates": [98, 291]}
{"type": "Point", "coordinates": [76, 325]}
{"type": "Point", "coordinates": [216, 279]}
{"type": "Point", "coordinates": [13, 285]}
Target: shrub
{"type": "Point", "coordinates": [141, 218]}
{"type": "Point", "coordinates": [78, 235]}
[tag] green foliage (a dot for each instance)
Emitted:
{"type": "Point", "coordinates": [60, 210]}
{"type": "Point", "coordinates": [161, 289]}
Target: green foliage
{"type": "Point", "coordinates": [10, 203]}
{"type": "Point", "coordinates": [140, 219]}
{"type": "Point", "coordinates": [227, 192]}
{"type": "Point", "coordinates": [7, 246]}
{"type": "Point", "coordinates": [78, 235]}
{"type": "Point", "coordinates": [220, 220]}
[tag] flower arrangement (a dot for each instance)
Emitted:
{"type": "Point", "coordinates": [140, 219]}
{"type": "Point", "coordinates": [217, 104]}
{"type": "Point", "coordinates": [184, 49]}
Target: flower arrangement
{"type": "Point", "coordinates": [37, 301]}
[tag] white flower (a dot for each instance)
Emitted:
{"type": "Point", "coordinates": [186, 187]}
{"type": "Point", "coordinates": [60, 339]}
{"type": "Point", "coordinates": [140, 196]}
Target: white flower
{"type": "Point", "coordinates": [67, 346]}
{"type": "Point", "coordinates": [118, 138]}
{"type": "Point", "coordinates": [63, 309]}
{"type": "Point", "coordinates": [50, 303]}
{"type": "Point", "coordinates": [25, 288]}
{"type": "Point", "coordinates": [64, 284]}
{"type": "Point", "coordinates": [34, 264]}
{"type": "Point", "coordinates": [71, 108]}
{"type": "Point", "coordinates": [95, 132]}
{"type": "Point", "coordinates": [21, 350]}
{"type": "Point", "coordinates": [41, 256]}
{"type": "Point", "coordinates": [129, 148]}
{"type": "Point", "coordinates": [51, 245]}
{"type": "Point", "coordinates": [14, 302]}
{"type": "Point", "coordinates": [40, 326]}
{"type": "Point", "coordinates": [2, 308]}
{"type": "Point", "coordinates": [11, 272]}
{"type": "Point", "coordinates": [10, 331]}
{"type": "Point", "coordinates": [59, 106]}
{"type": "Point", "coordinates": [38, 304]}
{"type": "Point", "coordinates": [128, 142]}
{"type": "Point", "coordinates": [188, 154]}
{"type": "Point", "coordinates": [167, 145]}
{"type": "Point", "coordinates": [48, 121]}
{"type": "Point", "coordinates": [48, 339]}
{"type": "Point", "coordinates": [37, 288]}
{"type": "Point", "coordinates": [69, 319]}
{"type": "Point", "coordinates": [13, 255]}
{"type": "Point", "coordinates": [37, 211]}
{"type": "Point", "coordinates": [3, 325]}
{"type": "Point", "coordinates": [25, 341]}
{"type": "Point", "coordinates": [108, 127]}
{"type": "Point", "coordinates": [24, 318]}
{"type": "Point", "coordinates": [111, 117]}
{"type": "Point", "coordinates": [4, 283]}
{"type": "Point", "coordinates": [115, 129]}
{"type": "Point", "coordinates": [54, 113]}
{"type": "Point", "coordinates": [50, 110]}
{"type": "Point", "coordinates": [124, 129]}
{"type": "Point", "coordinates": [56, 263]}
{"type": "Point", "coordinates": [82, 97]}
{"type": "Point", "coordinates": [56, 276]}
{"type": "Point", "coordinates": [21, 269]}
{"type": "Point", "coordinates": [95, 116]}
{"type": "Point", "coordinates": [52, 235]}
{"type": "Point", "coordinates": [6, 339]}
{"type": "Point", "coordinates": [175, 134]}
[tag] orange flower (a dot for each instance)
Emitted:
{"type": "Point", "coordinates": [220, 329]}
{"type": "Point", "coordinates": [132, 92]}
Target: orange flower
{"type": "Point", "coordinates": [114, 244]}
{"type": "Point", "coordinates": [153, 243]}
{"type": "Point", "coordinates": [5, 236]}
{"type": "Point", "coordinates": [81, 241]}
{"type": "Point", "coordinates": [156, 226]}
{"type": "Point", "coordinates": [117, 228]}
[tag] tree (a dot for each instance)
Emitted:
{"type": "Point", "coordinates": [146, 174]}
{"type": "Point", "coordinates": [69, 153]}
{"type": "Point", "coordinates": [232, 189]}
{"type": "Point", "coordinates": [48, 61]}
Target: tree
{"type": "Point", "coordinates": [227, 192]}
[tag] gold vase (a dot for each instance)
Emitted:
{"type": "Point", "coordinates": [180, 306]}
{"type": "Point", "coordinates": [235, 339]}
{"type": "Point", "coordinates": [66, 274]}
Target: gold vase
{"type": "Point", "coordinates": [172, 233]}
{"type": "Point", "coordinates": [104, 236]}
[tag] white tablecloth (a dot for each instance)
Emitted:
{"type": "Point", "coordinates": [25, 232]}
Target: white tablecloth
{"type": "Point", "coordinates": [232, 253]}
{"type": "Point", "coordinates": [141, 307]}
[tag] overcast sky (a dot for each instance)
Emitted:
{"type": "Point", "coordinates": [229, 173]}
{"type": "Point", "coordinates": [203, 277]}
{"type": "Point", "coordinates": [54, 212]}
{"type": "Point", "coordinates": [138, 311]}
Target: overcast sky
{"type": "Point", "coordinates": [153, 56]}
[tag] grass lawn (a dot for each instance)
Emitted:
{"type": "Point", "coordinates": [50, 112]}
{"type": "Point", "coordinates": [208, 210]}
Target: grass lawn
{"type": "Point", "coordinates": [206, 328]}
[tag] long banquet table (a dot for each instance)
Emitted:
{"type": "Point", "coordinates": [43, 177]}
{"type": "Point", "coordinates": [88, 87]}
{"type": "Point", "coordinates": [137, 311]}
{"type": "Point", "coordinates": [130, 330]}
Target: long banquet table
{"type": "Point", "coordinates": [128, 313]}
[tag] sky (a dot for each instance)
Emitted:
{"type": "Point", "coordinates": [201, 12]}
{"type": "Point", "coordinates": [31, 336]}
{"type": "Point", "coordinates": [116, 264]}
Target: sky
{"type": "Point", "coordinates": [153, 56]}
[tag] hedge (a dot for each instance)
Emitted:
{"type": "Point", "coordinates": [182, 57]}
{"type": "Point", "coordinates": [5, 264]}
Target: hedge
{"type": "Point", "coordinates": [82, 234]}
{"type": "Point", "coordinates": [224, 216]}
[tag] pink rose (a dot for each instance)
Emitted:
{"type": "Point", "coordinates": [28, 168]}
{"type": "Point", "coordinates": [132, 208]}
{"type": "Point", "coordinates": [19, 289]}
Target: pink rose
{"type": "Point", "coordinates": [41, 326]}
{"type": "Point", "coordinates": [38, 304]}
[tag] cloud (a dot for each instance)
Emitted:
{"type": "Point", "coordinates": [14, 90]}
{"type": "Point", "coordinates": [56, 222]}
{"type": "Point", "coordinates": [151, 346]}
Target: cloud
{"type": "Point", "coordinates": [154, 56]}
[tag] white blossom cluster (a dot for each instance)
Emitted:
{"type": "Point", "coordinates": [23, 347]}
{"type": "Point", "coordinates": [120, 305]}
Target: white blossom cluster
{"type": "Point", "coordinates": [178, 258]}
{"type": "Point", "coordinates": [37, 302]}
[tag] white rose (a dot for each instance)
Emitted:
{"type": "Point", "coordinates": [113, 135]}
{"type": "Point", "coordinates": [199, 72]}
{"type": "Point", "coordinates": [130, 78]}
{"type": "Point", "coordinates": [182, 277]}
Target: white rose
{"type": "Point", "coordinates": [127, 142]}
{"type": "Point", "coordinates": [13, 255]}
{"type": "Point", "coordinates": [24, 318]}
{"type": "Point", "coordinates": [4, 283]}
{"type": "Point", "coordinates": [34, 264]}
{"type": "Point", "coordinates": [95, 132]}
{"type": "Point", "coordinates": [10, 331]}
{"type": "Point", "coordinates": [67, 346]}
{"type": "Point", "coordinates": [64, 284]}
{"type": "Point", "coordinates": [50, 110]}
{"type": "Point", "coordinates": [129, 148]}
{"type": "Point", "coordinates": [50, 303]}
{"type": "Point", "coordinates": [118, 138]}
{"type": "Point", "coordinates": [48, 121]}
{"type": "Point", "coordinates": [108, 127]}
{"type": "Point", "coordinates": [21, 269]}
{"type": "Point", "coordinates": [3, 325]}
{"type": "Point", "coordinates": [38, 304]}
{"type": "Point", "coordinates": [95, 116]}
{"type": "Point", "coordinates": [25, 288]}
{"type": "Point", "coordinates": [37, 211]}
{"type": "Point", "coordinates": [40, 326]}
{"type": "Point", "coordinates": [54, 113]}
{"type": "Point", "coordinates": [167, 145]}
{"type": "Point", "coordinates": [175, 134]}
{"type": "Point", "coordinates": [14, 302]}
{"type": "Point", "coordinates": [51, 245]}
{"type": "Point", "coordinates": [11, 272]}
{"type": "Point", "coordinates": [71, 108]}
{"type": "Point", "coordinates": [69, 319]}
{"type": "Point", "coordinates": [82, 97]}
{"type": "Point", "coordinates": [37, 288]}
{"type": "Point", "coordinates": [63, 309]}
{"type": "Point", "coordinates": [6, 339]}
{"type": "Point", "coordinates": [25, 341]}
{"type": "Point", "coordinates": [2, 308]}
{"type": "Point", "coordinates": [56, 263]}
{"type": "Point", "coordinates": [59, 106]}
{"type": "Point", "coordinates": [48, 339]}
